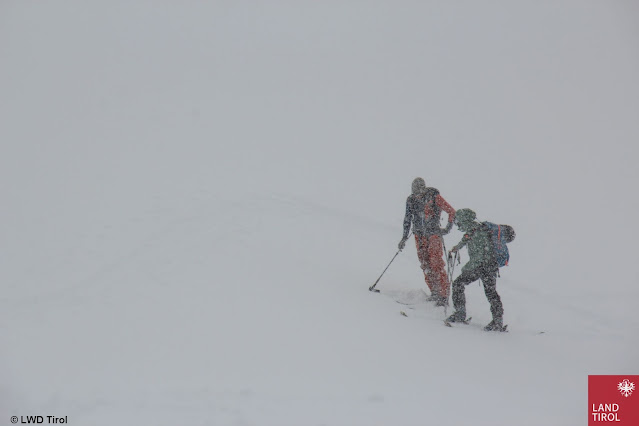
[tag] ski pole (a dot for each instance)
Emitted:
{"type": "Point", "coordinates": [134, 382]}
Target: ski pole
{"type": "Point", "coordinates": [450, 282]}
{"type": "Point", "coordinates": [451, 266]}
{"type": "Point", "coordinates": [372, 288]}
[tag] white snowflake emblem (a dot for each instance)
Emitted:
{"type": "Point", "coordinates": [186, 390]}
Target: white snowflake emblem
{"type": "Point", "coordinates": [626, 387]}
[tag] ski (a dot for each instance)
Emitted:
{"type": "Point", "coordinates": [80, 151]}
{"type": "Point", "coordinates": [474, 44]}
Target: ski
{"type": "Point", "coordinates": [503, 329]}
{"type": "Point", "coordinates": [410, 305]}
{"type": "Point", "coordinates": [449, 324]}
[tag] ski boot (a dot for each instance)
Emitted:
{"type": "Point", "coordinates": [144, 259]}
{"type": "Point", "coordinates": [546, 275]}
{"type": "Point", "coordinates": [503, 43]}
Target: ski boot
{"type": "Point", "coordinates": [441, 301]}
{"type": "Point", "coordinates": [457, 316]}
{"type": "Point", "coordinates": [496, 324]}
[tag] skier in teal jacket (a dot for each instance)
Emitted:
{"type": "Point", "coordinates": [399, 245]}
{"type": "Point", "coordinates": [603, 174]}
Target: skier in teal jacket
{"type": "Point", "coordinates": [482, 265]}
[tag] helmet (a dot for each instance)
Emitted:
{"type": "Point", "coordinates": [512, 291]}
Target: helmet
{"type": "Point", "coordinates": [418, 186]}
{"type": "Point", "coordinates": [464, 216]}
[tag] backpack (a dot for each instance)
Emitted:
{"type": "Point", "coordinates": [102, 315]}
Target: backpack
{"type": "Point", "coordinates": [500, 235]}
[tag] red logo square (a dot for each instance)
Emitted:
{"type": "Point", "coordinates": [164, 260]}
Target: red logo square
{"type": "Point", "coordinates": [613, 400]}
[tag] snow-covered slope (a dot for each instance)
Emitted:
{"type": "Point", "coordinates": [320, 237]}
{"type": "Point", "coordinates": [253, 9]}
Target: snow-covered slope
{"type": "Point", "coordinates": [196, 198]}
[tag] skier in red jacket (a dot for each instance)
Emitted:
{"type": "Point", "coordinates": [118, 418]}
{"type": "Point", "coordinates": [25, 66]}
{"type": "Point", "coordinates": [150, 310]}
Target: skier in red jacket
{"type": "Point", "coordinates": [423, 210]}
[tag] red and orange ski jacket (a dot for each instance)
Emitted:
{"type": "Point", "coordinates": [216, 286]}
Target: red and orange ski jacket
{"type": "Point", "coordinates": [423, 210]}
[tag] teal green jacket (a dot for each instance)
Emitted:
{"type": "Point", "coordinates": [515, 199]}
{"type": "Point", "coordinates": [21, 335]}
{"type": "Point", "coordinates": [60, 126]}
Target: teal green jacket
{"type": "Point", "coordinates": [480, 247]}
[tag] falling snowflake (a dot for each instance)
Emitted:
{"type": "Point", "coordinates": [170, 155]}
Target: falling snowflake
{"type": "Point", "coordinates": [626, 387]}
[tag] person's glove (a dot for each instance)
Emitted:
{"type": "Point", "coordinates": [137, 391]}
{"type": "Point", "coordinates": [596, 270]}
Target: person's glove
{"type": "Point", "coordinates": [402, 244]}
{"type": "Point", "coordinates": [446, 230]}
